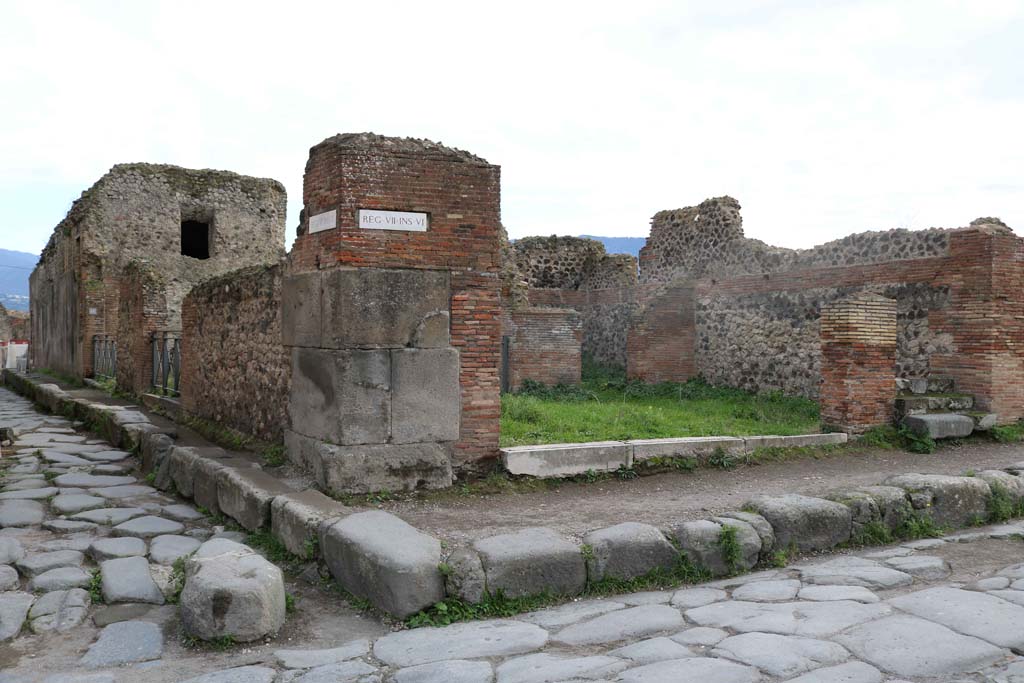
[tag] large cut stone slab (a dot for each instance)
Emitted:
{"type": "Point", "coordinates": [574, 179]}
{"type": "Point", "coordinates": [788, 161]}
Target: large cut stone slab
{"type": "Point", "coordinates": [69, 504]}
{"type": "Point", "coordinates": [692, 670]}
{"type": "Point", "coordinates": [19, 513]}
{"type": "Point", "coordinates": [307, 659]}
{"type": "Point", "coordinates": [123, 492]}
{"type": "Point", "coordinates": [924, 567]}
{"type": "Point", "coordinates": [245, 495]}
{"type": "Point", "coordinates": [113, 548]}
{"type": "Point", "coordinates": [343, 397]}
{"type": "Point", "coordinates": [566, 459]}
{"type": "Point", "coordinates": [14, 608]}
{"type": "Point", "coordinates": [702, 543]}
{"type": "Point", "coordinates": [453, 671]}
{"type": "Point", "coordinates": [803, 522]}
{"type": "Point", "coordinates": [127, 579]}
{"type": "Point", "coordinates": [531, 561]}
{"type": "Point", "coordinates": [620, 625]}
{"type": "Point", "coordinates": [909, 646]}
{"type": "Point", "coordinates": [653, 650]}
{"type": "Point", "coordinates": [685, 447]}
{"type": "Point", "coordinates": [166, 550]}
{"type": "Point", "coordinates": [30, 494]}
{"type": "Point", "coordinates": [231, 591]}
{"type": "Point", "coordinates": [125, 642]}
{"type": "Point", "coordinates": [471, 639]}
{"type": "Point", "coordinates": [628, 550]}
{"type": "Point", "coordinates": [295, 519]}
{"type": "Point", "coordinates": [781, 590]}
{"type": "Point", "coordinates": [832, 593]}
{"type": "Point", "coordinates": [854, 571]}
{"type": "Point", "coordinates": [940, 425]}
{"type": "Point", "coordinates": [780, 655]}
{"type": "Point", "coordinates": [109, 515]}
{"type": "Point", "coordinates": [372, 467]}
{"type": "Point", "coordinates": [571, 613]}
{"type": "Point", "coordinates": [425, 397]}
{"type": "Point", "coordinates": [239, 674]}
{"type": "Point", "coordinates": [147, 527]}
{"type": "Point", "coordinates": [951, 501]}
{"type": "Point", "coordinates": [11, 550]}
{"type": "Point", "coordinates": [85, 481]}
{"type": "Point", "coordinates": [809, 619]}
{"type": "Point", "coordinates": [544, 668]}
{"type": "Point", "coordinates": [60, 579]}
{"type": "Point", "coordinates": [381, 558]}
{"type": "Point", "coordinates": [851, 672]}
{"type": "Point", "coordinates": [37, 563]}
{"type": "Point", "coordinates": [968, 612]}
{"type": "Point", "coordinates": [59, 610]}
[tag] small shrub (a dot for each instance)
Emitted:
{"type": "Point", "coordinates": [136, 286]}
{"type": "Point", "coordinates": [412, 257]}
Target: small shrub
{"type": "Point", "coordinates": [919, 526]}
{"type": "Point", "coordinates": [289, 603]}
{"type": "Point", "coordinates": [177, 580]}
{"type": "Point", "coordinates": [873, 533]}
{"type": "Point", "coordinates": [722, 460]}
{"type": "Point", "coordinates": [96, 587]}
{"type": "Point", "coordinates": [780, 558]}
{"type": "Point", "coordinates": [732, 553]}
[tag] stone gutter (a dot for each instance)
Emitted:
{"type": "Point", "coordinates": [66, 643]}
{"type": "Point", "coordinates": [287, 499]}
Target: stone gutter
{"type": "Point", "coordinates": [400, 570]}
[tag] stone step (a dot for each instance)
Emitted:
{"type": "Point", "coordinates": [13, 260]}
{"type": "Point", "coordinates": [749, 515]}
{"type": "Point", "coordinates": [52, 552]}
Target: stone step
{"type": "Point", "coordinates": [933, 403]}
{"type": "Point", "coordinates": [940, 425]}
{"type": "Point", "coordinates": [916, 386]}
{"type": "Point", "coordinates": [982, 421]}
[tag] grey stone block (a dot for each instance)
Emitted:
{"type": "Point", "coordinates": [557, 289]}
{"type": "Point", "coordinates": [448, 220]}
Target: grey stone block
{"type": "Point", "coordinates": [181, 466]}
{"type": "Point", "coordinates": [381, 558]}
{"type": "Point", "coordinates": [752, 443]}
{"type": "Point", "coordinates": [375, 307]}
{"type": "Point", "coordinates": [628, 550]}
{"type": "Point", "coordinates": [342, 397]}
{"type": "Point", "coordinates": [701, 543]}
{"type": "Point", "coordinates": [566, 459]}
{"type": "Point", "coordinates": [295, 519]}
{"type": "Point", "coordinates": [378, 467]}
{"type": "Point", "coordinates": [230, 590]}
{"type": "Point", "coordinates": [760, 525]}
{"type": "Point", "coordinates": [465, 578]}
{"type": "Point", "coordinates": [694, 446]}
{"type": "Point", "coordinates": [125, 642]}
{"type": "Point", "coordinates": [803, 522]}
{"type": "Point", "coordinates": [300, 310]}
{"type": "Point", "coordinates": [245, 495]}
{"type": "Point", "coordinates": [940, 425]}
{"type": "Point", "coordinates": [886, 505]}
{"type": "Point", "coordinates": [426, 401]}
{"type": "Point", "coordinates": [1011, 484]}
{"type": "Point", "coordinates": [531, 561]}
{"type": "Point", "coordinates": [434, 331]}
{"type": "Point", "coordinates": [950, 501]}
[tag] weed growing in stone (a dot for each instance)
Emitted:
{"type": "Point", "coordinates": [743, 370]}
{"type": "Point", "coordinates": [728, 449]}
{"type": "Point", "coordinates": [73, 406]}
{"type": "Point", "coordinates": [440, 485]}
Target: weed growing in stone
{"type": "Point", "coordinates": [873, 533]}
{"type": "Point", "coordinates": [271, 548]}
{"type": "Point", "coordinates": [919, 526]}
{"type": "Point", "coordinates": [1002, 506]}
{"type": "Point", "coordinates": [177, 581]}
{"type": "Point", "coordinates": [732, 553]}
{"type": "Point", "coordinates": [96, 587]}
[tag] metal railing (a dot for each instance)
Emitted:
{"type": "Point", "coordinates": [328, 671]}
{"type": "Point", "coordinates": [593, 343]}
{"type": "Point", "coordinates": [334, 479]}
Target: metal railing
{"type": "Point", "coordinates": [167, 361]}
{"type": "Point", "coordinates": [104, 356]}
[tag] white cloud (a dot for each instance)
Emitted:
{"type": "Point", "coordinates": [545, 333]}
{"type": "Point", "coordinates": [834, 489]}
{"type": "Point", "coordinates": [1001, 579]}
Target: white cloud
{"type": "Point", "coordinates": [821, 118]}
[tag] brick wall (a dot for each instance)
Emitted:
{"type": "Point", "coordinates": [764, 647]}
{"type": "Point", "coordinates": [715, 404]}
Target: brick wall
{"type": "Point", "coordinates": [660, 344]}
{"type": "Point", "coordinates": [544, 346]}
{"type": "Point", "coordinates": [234, 368]}
{"type": "Point", "coordinates": [461, 194]}
{"type": "Point", "coordinates": [858, 358]}
{"type": "Point", "coordinates": [142, 310]}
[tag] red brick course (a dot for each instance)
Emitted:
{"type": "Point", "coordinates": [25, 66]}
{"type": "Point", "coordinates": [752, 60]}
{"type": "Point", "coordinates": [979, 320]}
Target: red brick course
{"type": "Point", "coordinates": [545, 346]}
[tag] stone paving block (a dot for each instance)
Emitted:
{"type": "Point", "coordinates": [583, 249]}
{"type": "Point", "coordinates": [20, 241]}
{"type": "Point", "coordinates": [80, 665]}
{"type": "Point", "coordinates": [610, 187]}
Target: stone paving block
{"type": "Point", "coordinates": [808, 619]}
{"type": "Point", "coordinates": [851, 672]}
{"type": "Point", "coordinates": [909, 646]}
{"type": "Point", "coordinates": [112, 516]}
{"type": "Point", "coordinates": [628, 550]}
{"type": "Point", "coordinates": [831, 593]}
{"type": "Point", "coordinates": [60, 579]}
{"type": "Point", "coordinates": [14, 607]}
{"type": "Point", "coordinates": [9, 579]}
{"type": "Point", "coordinates": [231, 591]}
{"type": "Point", "coordinates": [967, 612]}
{"type": "Point", "coordinates": [570, 613]}
{"type": "Point", "coordinates": [923, 567]}
{"type": "Point", "coordinates": [692, 670]}
{"type": "Point", "coordinates": [531, 561]}
{"type": "Point", "coordinates": [126, 642]}
{"type": "Point", "coordinates": [425, 396]}
{"type": "Point", "coordinates": [950, 501]}
{"type": "Point", "coordinates": [240, 674]}
{"type": "Point", "coordinates": [779, 655]}
{"type": "Point", "coordinates": [85, 481]}
{"type": "Point", "coordinates": [854, 571]}
{"type": "Point", "coordinates": [452, 671]}
{"type": "Point", "coordinates": [700, 635]}
{"type": "Point", "coordinates": [11, 550]}
{"type": "Point", "coordinates": [295, 519]}
{"type": "Point", "coordinates": [381, 558]}
{"type": "Point", "coordinates": [37, 563]}
{"type": "Point", "coordinates": [127, 579]}
{"type": "Point", "coordinates": [21, 513]}
{"type": "Point", "coordinates": [181, 513]}
{"type": "Point", "coordinates": [479, 639]}
{"type": "Point", "coordinates": [567, 459]}
{"type": "Point", "coordinates": [622, 624]}
{"type": "Point", "coordinates": [112, 548]}
{"type": "Point", "coordinates": [688, 598]}
{"type": "Point", "coordinates": [29, 494]}
{"type": "Point", "coordinates": [166, 550]}
{"type": "Point", "coordinates": [59, 610]}
{"type": "Point", "coordinates": [544, 667]}
{"type": "Point", "coordinates": [768, 591]}
{"type": "Point", "coordinates": [245, 495]}
{"type": "Point", "coordinates": [307, 659]}
{"type": "Point", "coordinates": [803, 522]}
{"type": "Point", "coordinates": [70, 504]}
{"type": "Point", "coordinates": [147, 527]}
{"type": "Point", "coordinates": [653, 650]}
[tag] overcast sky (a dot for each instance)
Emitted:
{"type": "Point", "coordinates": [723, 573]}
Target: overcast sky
{"type": "Point", "coordinates": [821, 118]}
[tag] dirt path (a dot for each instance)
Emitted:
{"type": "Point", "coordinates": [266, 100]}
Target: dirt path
{"type": "Point", "coordinates": [663, 499]}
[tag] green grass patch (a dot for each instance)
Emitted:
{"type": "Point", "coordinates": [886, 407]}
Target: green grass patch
{"type": "Point", "coordinates": [896, 438]}
{"type": "Point", "coordinates": [1007, 433]}
{"type": "Point", "coordinates": [61, 377]}
{"type": "Point", "coordinates": [607, 406]}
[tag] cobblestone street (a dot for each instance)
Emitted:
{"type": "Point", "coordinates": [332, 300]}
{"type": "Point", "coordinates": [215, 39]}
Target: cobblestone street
{"type": "Point", "coordinates": [86, 556]}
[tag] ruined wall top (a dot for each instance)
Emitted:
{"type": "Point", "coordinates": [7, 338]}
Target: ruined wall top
{"type": "Point", "coordinates": [371, 143]}
{"type": "Point", "coordinates": [707, 241]}
{"type": "Point", "coordinates": [572, 263]}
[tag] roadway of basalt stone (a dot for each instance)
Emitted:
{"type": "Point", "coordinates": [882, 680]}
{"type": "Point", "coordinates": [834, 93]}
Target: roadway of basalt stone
{"type": "Point", "coordinates": [947, 610]}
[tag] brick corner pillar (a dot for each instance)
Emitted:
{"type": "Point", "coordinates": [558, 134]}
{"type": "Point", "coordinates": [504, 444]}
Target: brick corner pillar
{"type": "Point", "coordinates": [391, 314]}
{"type": "Point", "coordinates": [858, 362]}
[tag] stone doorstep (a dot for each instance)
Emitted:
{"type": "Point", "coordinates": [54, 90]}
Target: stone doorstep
{"type": "Point", "coordinates": [569, 459]}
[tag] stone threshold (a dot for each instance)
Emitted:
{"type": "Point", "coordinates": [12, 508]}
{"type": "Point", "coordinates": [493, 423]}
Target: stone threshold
{"type": "Point", "coordinates": [400, 570]}
{"type": "Point", "coordinates": [570, 459]}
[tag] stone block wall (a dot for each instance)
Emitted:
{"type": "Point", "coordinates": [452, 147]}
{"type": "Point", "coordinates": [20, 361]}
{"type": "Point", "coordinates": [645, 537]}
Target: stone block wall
{"type": "Point", "coordinates": [234, 367]}
{"type": "Point", "coordinates": [453, 345]}
{"type": "Point", "coordinates": [858, 357]}
{"type": "Point", "coordinates": [135, 213]}
{"type": "Point", "coordinates": [545, 346]}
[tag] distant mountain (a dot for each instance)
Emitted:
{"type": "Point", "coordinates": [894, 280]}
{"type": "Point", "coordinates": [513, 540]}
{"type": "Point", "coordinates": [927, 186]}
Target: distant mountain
{"type": "Point", "coordinates": [620, 245]}
{"type": "Point", "coordinates": [15, 267]}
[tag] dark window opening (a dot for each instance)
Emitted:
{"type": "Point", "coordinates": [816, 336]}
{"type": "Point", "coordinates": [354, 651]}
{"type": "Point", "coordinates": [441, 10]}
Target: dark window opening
{"type": "Point", "coordinates": [195, 239]}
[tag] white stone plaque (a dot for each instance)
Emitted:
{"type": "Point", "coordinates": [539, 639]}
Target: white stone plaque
{"type": "Point", "coordinates": [371, 219]}
{"type": "Point", "coordinates": [328, 220]}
